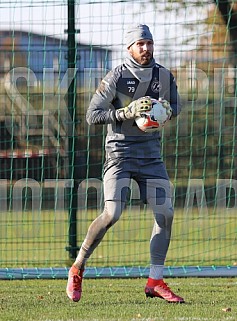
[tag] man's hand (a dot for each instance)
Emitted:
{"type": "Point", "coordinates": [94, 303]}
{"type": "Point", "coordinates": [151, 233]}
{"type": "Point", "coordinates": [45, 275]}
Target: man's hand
{"type": "Point", "coordinates": [167, 106]}
{"type": "Point", "coordinates": [134, 109]}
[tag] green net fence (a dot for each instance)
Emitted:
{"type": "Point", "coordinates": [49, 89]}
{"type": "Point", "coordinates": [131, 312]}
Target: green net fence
{"type": "Point", "coordinates": [51, 62]}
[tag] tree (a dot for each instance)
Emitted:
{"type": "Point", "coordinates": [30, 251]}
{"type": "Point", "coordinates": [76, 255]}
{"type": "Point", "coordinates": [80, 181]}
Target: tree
{"type": "Point", "coordinates": [228, 10]}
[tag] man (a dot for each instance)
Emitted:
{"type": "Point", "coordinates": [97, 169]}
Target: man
{"type": "Point", "coordinates": [124, 94]}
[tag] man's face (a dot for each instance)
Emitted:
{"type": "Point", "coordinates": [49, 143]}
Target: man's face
{"type": "Point", "coordinates": [142, 51]}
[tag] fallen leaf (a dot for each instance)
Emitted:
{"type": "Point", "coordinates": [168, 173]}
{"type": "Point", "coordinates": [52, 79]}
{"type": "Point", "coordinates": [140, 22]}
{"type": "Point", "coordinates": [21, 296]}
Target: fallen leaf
{"type": "Point", "coordinates": [226, 309]}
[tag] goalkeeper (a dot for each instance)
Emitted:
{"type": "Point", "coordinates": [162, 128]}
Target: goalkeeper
{"type": "Point", "coordinates": [123, 95]}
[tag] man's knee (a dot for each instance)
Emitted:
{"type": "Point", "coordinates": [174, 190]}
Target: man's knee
{"type": "Point", "coordinates": [169, 212]}
{"type": "Point", "coordinates": [164, 214]}
{"type": "Point", "coordinates": [112, 212]}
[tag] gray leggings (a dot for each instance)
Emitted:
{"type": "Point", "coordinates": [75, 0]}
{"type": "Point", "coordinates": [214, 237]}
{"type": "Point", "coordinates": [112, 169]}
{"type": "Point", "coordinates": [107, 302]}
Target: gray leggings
{"type": "Point", "coordinates": [160, 237]}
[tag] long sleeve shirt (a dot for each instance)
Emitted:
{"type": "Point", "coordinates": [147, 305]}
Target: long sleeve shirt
{"type": "Point", "coordinates": [120, 87]}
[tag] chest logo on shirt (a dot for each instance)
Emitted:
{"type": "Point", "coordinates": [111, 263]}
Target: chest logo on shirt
{"type": "Point", "coordinates": [131, 86]}
{"type": "Point", "coordinates": [156, 86]}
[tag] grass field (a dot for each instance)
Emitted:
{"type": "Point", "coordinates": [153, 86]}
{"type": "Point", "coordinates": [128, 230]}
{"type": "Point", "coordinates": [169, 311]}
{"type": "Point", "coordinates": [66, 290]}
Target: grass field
{"type": "Point", "coordinates": [40, 241]}
{"type": "Point", "coordinates": [196, 239]}
{"type": "Point", "coordinates": [118, 299]}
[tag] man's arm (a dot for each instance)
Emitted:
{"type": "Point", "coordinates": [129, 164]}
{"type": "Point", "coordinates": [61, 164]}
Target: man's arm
{"type": "Point", "coordinates": [100, 110]}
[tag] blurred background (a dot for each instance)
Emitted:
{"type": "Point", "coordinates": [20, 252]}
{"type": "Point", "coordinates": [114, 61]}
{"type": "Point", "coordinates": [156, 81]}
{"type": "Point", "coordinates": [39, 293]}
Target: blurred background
{"type": "Point", "coordinates": [53, 55]}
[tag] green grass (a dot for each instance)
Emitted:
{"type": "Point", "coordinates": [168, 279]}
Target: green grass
{"type": "Point", "coordinates": [196, 239]}
{"type": "Point", "coordinates": [117, 299]}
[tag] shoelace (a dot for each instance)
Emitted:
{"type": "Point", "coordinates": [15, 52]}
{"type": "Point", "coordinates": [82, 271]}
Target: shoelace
{"type": "Point", "coordinates": [164, 286]}
{"type": "Point", "coordinates": [76, 283]}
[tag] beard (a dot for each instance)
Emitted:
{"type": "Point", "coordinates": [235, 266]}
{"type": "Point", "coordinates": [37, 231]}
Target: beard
{"type": "Point", "coordinates": [144, 58]}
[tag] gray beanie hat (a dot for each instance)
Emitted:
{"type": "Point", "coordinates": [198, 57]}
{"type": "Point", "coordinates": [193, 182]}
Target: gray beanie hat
{"type": "Point", "coordinates": [137, 32]}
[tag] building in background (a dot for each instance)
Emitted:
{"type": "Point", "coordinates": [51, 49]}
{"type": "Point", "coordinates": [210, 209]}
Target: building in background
{"type": "Point", "coordinates": [33, 102]}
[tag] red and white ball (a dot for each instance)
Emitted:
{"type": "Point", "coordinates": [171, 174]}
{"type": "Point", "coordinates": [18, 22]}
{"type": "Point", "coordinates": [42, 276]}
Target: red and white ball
{"type": "Point", "coordinates": [155, 119]}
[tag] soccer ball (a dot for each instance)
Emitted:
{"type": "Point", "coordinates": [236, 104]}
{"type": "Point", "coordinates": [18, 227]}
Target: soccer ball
{"type": "Point", "coordinates": [155, 119]}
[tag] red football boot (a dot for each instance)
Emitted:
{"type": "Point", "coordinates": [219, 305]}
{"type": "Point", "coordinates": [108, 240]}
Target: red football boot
{"type": "Point", "coordinates": [74, 284]}
{"type": "Point", "coordinates": [158, 288]}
